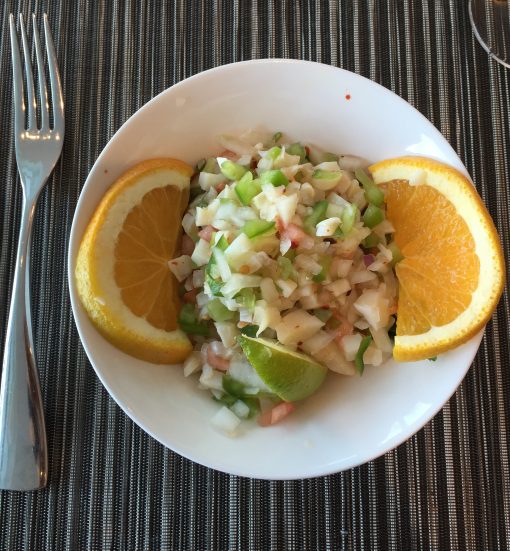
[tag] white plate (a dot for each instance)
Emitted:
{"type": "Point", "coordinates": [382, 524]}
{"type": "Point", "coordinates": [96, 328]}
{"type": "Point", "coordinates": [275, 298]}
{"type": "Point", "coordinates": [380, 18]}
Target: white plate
{"type": "Point", "coordinates": [350, 420]}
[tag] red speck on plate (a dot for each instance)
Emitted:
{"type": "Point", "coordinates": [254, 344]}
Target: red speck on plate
{"type": "Point", "coordinates": [347, 97]}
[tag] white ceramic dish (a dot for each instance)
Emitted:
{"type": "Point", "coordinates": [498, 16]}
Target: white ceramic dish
{"type": "Point", "coordinates": [350, 420]}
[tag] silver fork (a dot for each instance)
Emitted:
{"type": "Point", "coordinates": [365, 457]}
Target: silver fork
{"type": "Point", "coordinates": [23, 450]}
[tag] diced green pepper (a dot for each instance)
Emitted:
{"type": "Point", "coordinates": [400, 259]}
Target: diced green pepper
{"type": "Point", "coordinates": [371, 241]}
{"type": "Point", "coordinates": [274, 177]}
{"type": "Point", "coordinates": [317, 215]}
{"type": "Point", "coordinates": [232, 386]}
{"type": "Point", "coordinates": [187, 314]}
{"type": "Point", "coordinates": [358, 360]}
{"type": "Point", "coordinates": [226, 399]}
{"type": "Point", "coordinates": [247, 188]}
{"type": "Point", "coordinates": [218, 311]}
{"type": "Point", "coordinates": [433, 359]}
{"type": "Point", "coordinates": [322, 314]}
{"type": "Point", "coordinates": [233, 171]}
{"type": "Point", "coordinates": [253, 405]}
{"type": "Point", "coordinates": [372, 216]}
{"type": "Point", "coordinates": [189, 322]}
{"type": "Point", "coordinates": [194, 192]}
{"type": "Point", "coordinates": [254, 228]}
{"type": "Point", "coordinates": [297, 149]}
{"type": "Point", "coordinates": [249, 330]}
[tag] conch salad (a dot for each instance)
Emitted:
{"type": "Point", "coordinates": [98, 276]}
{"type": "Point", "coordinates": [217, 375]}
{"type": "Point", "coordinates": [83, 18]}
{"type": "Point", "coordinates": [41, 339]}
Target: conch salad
{"type": "Point", "coordinates": [290, 244]}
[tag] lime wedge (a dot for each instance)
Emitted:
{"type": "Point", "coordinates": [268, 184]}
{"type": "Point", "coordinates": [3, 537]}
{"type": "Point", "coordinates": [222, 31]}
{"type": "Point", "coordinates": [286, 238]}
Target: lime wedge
{"type": "Point", "coordinates": [290, 375]}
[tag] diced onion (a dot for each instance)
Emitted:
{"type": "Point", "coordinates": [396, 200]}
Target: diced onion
{"type": "Point", "coordinates": [226, 421]}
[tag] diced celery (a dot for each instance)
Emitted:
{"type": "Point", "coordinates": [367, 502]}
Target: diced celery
{"type": "Point", "coordinates": [318, 214]}
{"type": "Point", "coordinates": [218, 311]}
{"type": "Point", "coordinates": [372, 216]}
{"type": "Point", "coordinates": [275, 177]}
{"type": "Point", "coordinates": [211, 166]}
{"type": "Point", "coordinates": [273, 153]}
{"type": "Point", "coordinates": [320, 174]}
{"type": "Point", "coordinates": [233, 171]}
{"type": "Point", "coordinates": [395, 252]}
{"type": "Point", "coordinates": [253, 405]}
{"type": "Point", "coordinates": [291, 254]}
{"type": "Point", "coordinates": [287, 270]}
{"type": "Point", "coordinates": [334, 210]}
{"type": "Point", "coordinates": [247, 188]}
{"type": "Point", "coordinates": [363, 178]}
{"type": "Point", "coordinates": [254, 228]}
{"type": "Point", "coordinates": [329, 157]}
{"type": "Point", "coordinates": [348, 218]}
{"type": "Point", "coordinates": [325, 263]}
{"type": "Point", "coordinates": [322, 314]}
{"type": "Point", "coordinates": [373, 194]}
{"type": "Point", "coordinates": [297, 149]}
{"type": "Point", "coordinates": [220, 243]}
{"type": "Point", "coordinates": [246, 298]}
{"type": "Point", "coordinates": [212, 277]}
{"type": "Point", "coordinates": [277, 136]}
{"type": "Point", "coordinates": [358, 360]}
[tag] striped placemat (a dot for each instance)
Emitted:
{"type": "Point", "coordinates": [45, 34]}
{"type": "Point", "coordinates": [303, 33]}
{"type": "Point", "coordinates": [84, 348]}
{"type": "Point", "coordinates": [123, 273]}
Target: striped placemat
{"type": "Point", "coordinates": [112, 487]}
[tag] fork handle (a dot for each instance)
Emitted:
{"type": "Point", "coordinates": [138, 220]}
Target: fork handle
{"type": "Point", "coordinates": [23, 450]}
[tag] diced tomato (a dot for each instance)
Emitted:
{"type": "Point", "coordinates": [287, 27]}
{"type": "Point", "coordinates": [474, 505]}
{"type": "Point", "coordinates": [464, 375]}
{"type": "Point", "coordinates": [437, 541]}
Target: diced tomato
{"type": "Point", "coordinates": [191, 296]}
{"type": "Point", "coordinates": [275, 414]}
{"type": "Point", "coordinates": [206, 232]}
{"type": "Point", "coordinates": [220, 187]}
{"type": "Point", "coordinates": [187, 245]}
{"type": "Point", "coordinates": [219, 363]}
{"type": "Point", "coordinates": [294, 233]}
{"type": "Point", "coordinates": [345, 328]}
{"type": "Point", "coordinates": [325, 298]}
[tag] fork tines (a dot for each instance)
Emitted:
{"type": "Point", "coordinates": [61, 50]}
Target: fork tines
{"type": "Point", "coordinates": [56, 92]}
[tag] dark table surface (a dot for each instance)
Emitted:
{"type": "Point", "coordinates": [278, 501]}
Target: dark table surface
{"type": "Point", "coordinates": [111, 485]}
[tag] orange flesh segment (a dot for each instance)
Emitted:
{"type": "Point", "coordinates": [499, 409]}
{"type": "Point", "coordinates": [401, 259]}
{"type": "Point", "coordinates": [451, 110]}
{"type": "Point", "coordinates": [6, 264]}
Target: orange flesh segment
{"type": "Point", "coordinates": [440, 270]}
{"type": "Point", "coordinates": [141, 256]}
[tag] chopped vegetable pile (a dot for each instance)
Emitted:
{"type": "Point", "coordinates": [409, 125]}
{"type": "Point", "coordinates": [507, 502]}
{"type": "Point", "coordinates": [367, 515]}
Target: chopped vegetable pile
{"type": "Point", "coordinates": [289, 243]}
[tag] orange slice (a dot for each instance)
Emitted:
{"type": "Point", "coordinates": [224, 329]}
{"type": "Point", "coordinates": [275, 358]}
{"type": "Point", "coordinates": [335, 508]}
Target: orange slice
{"type": "Point", "coordinates": [122, 275]}
{"type": "Point", "coordinates": [452, 274]}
